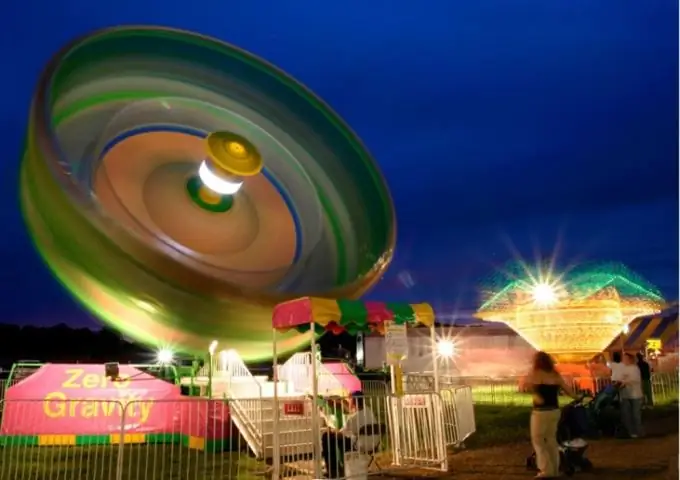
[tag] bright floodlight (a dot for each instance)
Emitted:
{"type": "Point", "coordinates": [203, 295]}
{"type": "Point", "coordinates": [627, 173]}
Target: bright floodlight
{"type": "Point", "coordinates": [446, 348]}
{"type": "Point", "coordinates": [164, 356]}
{"type": "Point", "coordinates": [212, 347]}
{"type": "Point", "coordinates": [216, 183]}
{"type": "Point", "coordinates": [544, 294]}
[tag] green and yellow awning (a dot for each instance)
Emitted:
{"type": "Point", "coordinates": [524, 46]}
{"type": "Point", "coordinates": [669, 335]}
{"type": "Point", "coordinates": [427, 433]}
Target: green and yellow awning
{"type": "Point", "coordinates": [351, 316]}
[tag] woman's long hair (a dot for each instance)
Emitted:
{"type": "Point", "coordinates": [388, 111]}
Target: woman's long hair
{"type": "Point", "coordinates": [543, 363]}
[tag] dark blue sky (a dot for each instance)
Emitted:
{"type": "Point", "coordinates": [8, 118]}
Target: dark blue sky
{"type": "Point", "coordinates": [538, 124]}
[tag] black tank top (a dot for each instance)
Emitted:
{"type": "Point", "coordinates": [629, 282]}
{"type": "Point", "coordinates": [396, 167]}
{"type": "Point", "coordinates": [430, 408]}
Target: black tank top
{"type": "Point", "coordinates": [549, 394]}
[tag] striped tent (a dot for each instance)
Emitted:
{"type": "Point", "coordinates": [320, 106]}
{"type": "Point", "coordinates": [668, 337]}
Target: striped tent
{"type": "Point", "coordinates": [352, 316]}
{"type": "Point", "coordinates": [663, 326]}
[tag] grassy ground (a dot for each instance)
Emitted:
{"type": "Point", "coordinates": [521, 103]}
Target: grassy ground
{"type": "Point", "coordinates": [140, 462]}
{"type": "Point", "coordinates": [509, 395]}
{"type": "Point", "coordinates": [497, 426]}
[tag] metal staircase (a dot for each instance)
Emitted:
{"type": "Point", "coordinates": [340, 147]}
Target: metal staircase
{"type": "Point", "coordinates": [252, 405]}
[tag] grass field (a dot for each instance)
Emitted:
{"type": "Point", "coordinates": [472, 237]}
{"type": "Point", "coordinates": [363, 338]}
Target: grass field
{"type": "Point", "coordinates": [496, 424]}
{"type": "Point", "coordinates": [505, 395]}
{"type": "Point", "coordinates": [140, 462]}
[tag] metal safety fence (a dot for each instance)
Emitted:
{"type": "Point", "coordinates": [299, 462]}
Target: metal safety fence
{"type": "Point", "coordinates": [74, 439]}
{"type": "Point", "coordinates": [663, 388]}
{"type": "Point", "coordinates": [512, 391]}
{"type": "Point", "coordinates": [62, 438]}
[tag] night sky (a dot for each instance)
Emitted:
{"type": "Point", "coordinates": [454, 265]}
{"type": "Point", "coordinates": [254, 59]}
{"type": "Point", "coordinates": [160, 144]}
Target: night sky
{"type": "Point", "coordinates": [504, 128]}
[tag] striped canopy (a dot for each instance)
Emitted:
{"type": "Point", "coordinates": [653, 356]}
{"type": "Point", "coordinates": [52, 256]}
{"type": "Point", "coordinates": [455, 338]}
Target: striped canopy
{"type": "Point", "coordinates": [664, 327]}
{"type": "Point", "coordinates": [350, 316]}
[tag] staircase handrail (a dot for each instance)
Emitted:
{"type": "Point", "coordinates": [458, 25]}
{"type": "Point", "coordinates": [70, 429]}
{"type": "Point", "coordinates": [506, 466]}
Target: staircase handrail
{"type": "Point", "coordinates": [231, 365]}
{"type": "Point", "coordinates": [297, 371]}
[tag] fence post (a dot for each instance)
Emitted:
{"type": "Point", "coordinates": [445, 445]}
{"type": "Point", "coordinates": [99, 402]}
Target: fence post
{"type": "Point", "coordinates": [439, 431]}
{"type": "Point", "coordinates": [121, 442]}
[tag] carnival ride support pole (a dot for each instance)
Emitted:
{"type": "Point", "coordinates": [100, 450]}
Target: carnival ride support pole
{"type": "Point", "coordinates": [315, 411]}
{"type": "Point", "coordinates": [397, 384]}
{"type": "Point", "coordinates": [210, 374]}
{"type": "Point", "coordinates": [276, 465]}
{"type": "Point", "coordinates": [194, 371]}
{"type": "Point", "coordinates": [438, 411]}
{"type": "Point", "coordinates": [121, 446]}
{"type": "Point", "coordinates": [435, 360]}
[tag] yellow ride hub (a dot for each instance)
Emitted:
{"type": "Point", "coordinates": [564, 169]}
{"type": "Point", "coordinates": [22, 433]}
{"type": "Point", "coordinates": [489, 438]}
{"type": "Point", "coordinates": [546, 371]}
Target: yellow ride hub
{"type": "Point", "coordinates": [231, 155]}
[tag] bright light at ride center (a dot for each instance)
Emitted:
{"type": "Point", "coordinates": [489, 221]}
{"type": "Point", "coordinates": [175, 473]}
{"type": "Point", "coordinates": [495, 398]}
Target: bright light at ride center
{"type": "Point", "coordinates": [217, 183]}
{"type": "Point", "coordinates": [446, 348]}
{"type": "Point", "coordinates": [544, 294]}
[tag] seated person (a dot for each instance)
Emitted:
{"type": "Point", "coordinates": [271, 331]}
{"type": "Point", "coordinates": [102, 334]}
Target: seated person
{"type": "Point", "coordinates": [335, 442]}
{"type": "Point", "coordinates": [332, 411]}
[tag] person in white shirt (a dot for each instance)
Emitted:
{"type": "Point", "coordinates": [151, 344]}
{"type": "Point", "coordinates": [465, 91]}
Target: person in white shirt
{"type": "Point", "coordinates": [628, 376]}
{"type": "Point", "coordinates": [615, 366]}
{"type": "Point", "coordinates": [334, 442]}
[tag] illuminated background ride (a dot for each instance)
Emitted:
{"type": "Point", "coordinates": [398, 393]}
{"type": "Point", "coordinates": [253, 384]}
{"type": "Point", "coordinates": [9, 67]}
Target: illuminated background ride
{"type": "Point", "coordinates": [574, 315]}
{"type": "Point", "coordinates": [180, 187]}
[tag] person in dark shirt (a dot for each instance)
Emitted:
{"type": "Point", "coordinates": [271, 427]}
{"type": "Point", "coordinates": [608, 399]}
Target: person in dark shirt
{"type": "Point", "coordinates": [646, 376]}
{"type": "Point", "coordinates": [546, 384]}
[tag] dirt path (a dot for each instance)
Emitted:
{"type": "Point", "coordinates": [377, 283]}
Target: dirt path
{"type": "Point", "coordinates": [650, 458]}
{"type": "Point", "coordinates": [654, 457]}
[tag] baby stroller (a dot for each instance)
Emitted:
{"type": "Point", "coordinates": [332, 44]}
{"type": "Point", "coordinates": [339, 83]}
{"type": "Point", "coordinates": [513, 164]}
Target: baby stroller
{"type": "Point", "coordinates": [573, 426]}
{"type": "Point", "coordinates": [603, 409]}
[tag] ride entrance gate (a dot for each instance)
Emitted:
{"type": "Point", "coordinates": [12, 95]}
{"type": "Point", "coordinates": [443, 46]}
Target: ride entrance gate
{"type": "Point", "coordinates": [411, 427]}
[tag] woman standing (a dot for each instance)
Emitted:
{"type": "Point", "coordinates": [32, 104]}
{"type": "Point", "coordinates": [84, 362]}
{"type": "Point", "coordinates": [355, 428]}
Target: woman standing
{"type": "Point", "coordinates": [546, 384]}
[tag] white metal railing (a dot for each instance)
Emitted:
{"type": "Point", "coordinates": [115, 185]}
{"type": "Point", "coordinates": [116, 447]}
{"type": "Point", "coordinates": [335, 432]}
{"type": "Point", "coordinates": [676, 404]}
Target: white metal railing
{"type": "Point", "coordinates": [245, 394]}
{"type": "Point", "coordinates": [512, 391]}
{"type": "Point", "coordinates": [464, 413]}
{"type": "Point", "coordinates": [195, 438]}
{"type": "Point", "coordinates": [108, 440]}
{"type": "Point", "coordinates": [375, 387]}
{"type": "Point", "coordinates": [665, 387]}
{"type": "Point", "coordinates": [417, 423]}
{"type": "Point", "coordinates": [229, 377]}
{"type": "Point", "coordinates": [298, 372]}
{"type": "Point", "coordinates": [406, 433]}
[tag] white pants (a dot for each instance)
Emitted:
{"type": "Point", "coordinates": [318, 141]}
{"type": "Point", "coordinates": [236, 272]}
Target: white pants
{"type": "Point", "coordinates": [544, 439]}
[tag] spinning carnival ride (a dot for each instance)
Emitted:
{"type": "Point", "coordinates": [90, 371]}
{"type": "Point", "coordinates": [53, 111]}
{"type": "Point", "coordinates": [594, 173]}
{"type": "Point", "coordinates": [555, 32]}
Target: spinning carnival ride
{"type": "Point", "coordinates": [180, 188]}
{"type": "Point", "coordinates": [573, 316]}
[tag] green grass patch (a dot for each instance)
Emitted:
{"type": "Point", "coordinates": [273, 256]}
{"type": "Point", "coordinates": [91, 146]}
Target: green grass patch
{"type": "Point", "coordinates": [498, 425]}
{"type": "Point", "coordinates": [139, 462]}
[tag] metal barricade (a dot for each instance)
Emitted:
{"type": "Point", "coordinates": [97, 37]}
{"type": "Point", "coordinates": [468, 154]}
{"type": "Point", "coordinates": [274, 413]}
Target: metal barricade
{"type": "Point", "coordinates": [381, 434]}
{"type": "Point", "coordinates": [198, 441]}
{"type": "Point", "coordinates": [58, 438]}
{"type": "Point", "coordinates": [88, 439]}
{"type": "Point", "coordinates": [37, 439]}
{"type": "Point", "coordinates": [665, 388]}
{"type": "Point", "coordinates": [375, 387]}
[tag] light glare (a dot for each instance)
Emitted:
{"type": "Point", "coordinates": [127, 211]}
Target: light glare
{"type": "Point", "coordinates": [446, 348]}
{"type": "Point", "coordinates": [216, 183]}
{"type": "Point", "coordinates": [165, 356]}
{"type": "Point", "coordinates": [544, 294]}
